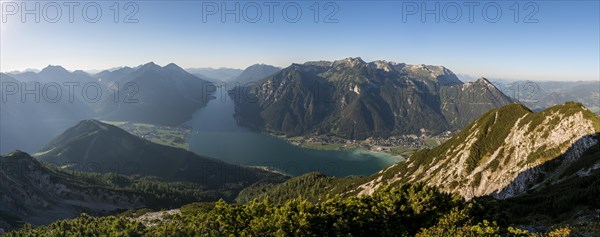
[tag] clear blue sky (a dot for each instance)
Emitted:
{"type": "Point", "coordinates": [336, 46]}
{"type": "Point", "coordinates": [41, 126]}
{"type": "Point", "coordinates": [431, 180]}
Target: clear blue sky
{"type": "Point", "coordinates": [563, 45]}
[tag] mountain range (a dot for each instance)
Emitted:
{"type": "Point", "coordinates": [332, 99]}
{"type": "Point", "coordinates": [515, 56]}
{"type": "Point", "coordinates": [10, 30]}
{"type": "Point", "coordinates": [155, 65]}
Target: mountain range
{"type": "Point", "coordinates": [28, 121]}
{"type": "Point", "coordinates": [526, 168]}
{"type": "Point", "coordinates": [518, 164]}
{"type": "Point", "coordinates": [159, 95]}
{"type": "Point", "coordinates": [539, 95]}
{"type": "Point", "coordinates": [118, 75]}
{"type": "Point", "coordinates": [354, 99]}
{"type": "Point", "coordinates": [54, 73]}
{"type": "Point", "coordinates": [147, 93]}
{"type": "Point", "coordinates": [527, 171]}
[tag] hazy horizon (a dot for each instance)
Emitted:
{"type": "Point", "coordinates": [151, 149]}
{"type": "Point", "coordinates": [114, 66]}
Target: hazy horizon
{"type": "Point", "coordinates": [546, 40]}
{"type": "Point", "coordinates": [462, 76]}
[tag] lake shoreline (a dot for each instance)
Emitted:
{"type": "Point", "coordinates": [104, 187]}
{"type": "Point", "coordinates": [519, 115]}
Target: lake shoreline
{"type": "Point", "coordinates": [350, 147]}
{"type": "Point", "coordinates": [399, 148]}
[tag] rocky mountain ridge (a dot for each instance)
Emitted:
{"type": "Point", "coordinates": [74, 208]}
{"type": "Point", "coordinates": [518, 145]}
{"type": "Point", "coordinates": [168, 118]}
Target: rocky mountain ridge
{"type": "Point", "coordinates": [505, 153]}
{"type": "Point", "coordinates": [354, 99]}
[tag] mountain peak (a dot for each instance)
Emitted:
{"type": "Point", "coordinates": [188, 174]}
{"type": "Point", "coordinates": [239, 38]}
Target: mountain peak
{"type": "Point", "coordinates": [148, 66]}
{"type": "Point", "coordinates": [257, 72]}
{"type": "Point", "coordinates": [92, 122]}
{"type": "Point", "coordinates": [173, 66]}
{"type": "Point", "coordinates": [121, 69]}
{"type": "Point", "coordinates": [86, 128]}
{"type": "Point", "coordinates": [81, 72]}
{"type": "Point", "coordinates": [350, 62]}
{"type": "Point", "coordinates": [481, 83]}
{"type": "Point", "coordinates": [387, 66]}
{"type": "Point", "coordinates": [316, 63]}
{"type": "Point", "coordinates": [483, 80]}
{"type": "Point", "coordinates": [54, 68]}
{"type": "Point", "coordinates": [260, 65]}
{"type": "Point", "coordinates": [17, 154]}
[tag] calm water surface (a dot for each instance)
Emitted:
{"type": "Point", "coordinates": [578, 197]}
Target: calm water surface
{"type": "Point", "coordinates": [216, 134]}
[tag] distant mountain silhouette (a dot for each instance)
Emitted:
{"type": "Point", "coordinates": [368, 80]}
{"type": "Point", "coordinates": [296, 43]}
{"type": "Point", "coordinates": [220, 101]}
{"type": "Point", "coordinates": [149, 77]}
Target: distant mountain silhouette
{"type": "Point", "coordinates": [256, 72]}
{"type": "Point", "coordinates": [165, 95]}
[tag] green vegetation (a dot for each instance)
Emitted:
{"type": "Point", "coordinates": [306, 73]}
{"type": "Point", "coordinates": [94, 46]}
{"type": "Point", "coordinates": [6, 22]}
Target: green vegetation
{"type": "Point", "coordinates": [334, 143]}
{"type": "Point", "coordinates": [317, 205]}
{"type": "Point", "coordinates": [490, 132]}
{"type": "Point", "coordinates": [91, 192]}
{"type": "Point", "coordinates": [156, 192]}
{"type": "Point", "coordinates": [564, 204]}
{"type": "Point", "coordinates": [496, 134]}
{"type": "Point", "coordinates": [168, 136]}
{"type": "Point", "coordinates": [313, 187]}
{"type": "Point", "coordinates": [197, 207]}
{"type": "Point", "coordinates": [327, 147]}
{"type": "Point", "coordinates": [405, 151]}
{"type": "Point", "coordinates": [432, 142]}
{"type": "Point", "coordinates": [409, 210]}
{"type": "Point", "coordinates": [93, 146]}
{"type": "Point", "coordinates": [296, 138]}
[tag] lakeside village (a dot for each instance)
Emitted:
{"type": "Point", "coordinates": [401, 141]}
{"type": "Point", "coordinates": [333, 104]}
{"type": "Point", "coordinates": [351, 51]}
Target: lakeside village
{"type": "Point", "coordinates": [401, 145]}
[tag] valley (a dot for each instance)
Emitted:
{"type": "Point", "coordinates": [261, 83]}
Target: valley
{"type": "Point", "coordinates": [403, 146]}
{"type": "Point", "coordinates": [300, 118]}
{"type": "Point", "coordinates": [532, 201]}
{"type": "Point", "coordinates": [215, 131]}
{"type": "Point", "coordinates": [231, 154]}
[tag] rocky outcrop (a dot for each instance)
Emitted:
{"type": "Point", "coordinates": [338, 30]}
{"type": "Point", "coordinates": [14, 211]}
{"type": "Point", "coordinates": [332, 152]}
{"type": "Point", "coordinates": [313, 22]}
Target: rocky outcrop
{"type": "Point", "coordinates": [504, 153]}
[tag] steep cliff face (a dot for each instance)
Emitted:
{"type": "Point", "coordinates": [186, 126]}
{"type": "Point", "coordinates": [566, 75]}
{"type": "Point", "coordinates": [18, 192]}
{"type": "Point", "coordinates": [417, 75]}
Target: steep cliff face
{"type": "Point", "coordinates": [355, 99]}
{"type": "Point", "coordinates": [504, 153]}
{"type": "Point", "coordinates": [38, 194]}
